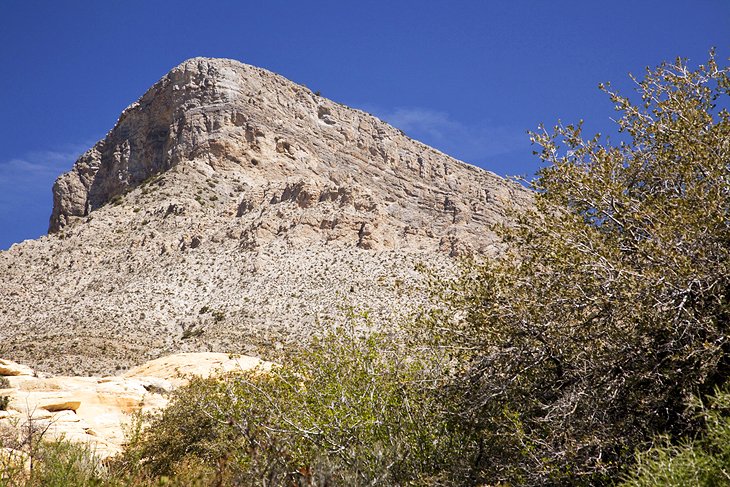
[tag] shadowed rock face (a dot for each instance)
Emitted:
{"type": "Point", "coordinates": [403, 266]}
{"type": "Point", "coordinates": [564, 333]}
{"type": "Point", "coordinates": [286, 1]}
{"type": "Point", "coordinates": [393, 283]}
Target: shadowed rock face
{"type": "Point", "coordinates": [170, 121]}
{"type": "Point", "coordinates": [230, 209]}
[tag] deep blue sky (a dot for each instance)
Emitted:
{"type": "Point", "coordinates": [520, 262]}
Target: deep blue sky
{"type": "Point", "coordinates": [468, 77]}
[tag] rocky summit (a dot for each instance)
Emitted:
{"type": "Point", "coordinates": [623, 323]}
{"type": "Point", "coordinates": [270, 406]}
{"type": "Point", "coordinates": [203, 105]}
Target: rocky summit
{"type": "Point", "coordinates": [232, 210]}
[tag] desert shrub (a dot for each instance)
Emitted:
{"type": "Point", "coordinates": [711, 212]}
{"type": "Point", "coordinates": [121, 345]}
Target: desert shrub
{"type": "Point", "coordinates": [610, 310]}
{"type": "Point", "coordinates": [702, 462]}
{"type": "Point", "coordinates": [62, 463]}
{"type": "Point", "coordinates": [4, 400]}
{"type": "Point", "coordinates": [218, 316]}
{"type": "Point", "coordinates": [347, 411]}
{"type": "Point", "coordinates": [55, 463]}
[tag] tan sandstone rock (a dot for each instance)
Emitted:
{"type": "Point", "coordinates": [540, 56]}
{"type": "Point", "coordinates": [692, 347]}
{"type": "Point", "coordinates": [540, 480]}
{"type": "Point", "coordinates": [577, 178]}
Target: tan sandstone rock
{"type": "Point", "coordinates": [95, 410]}
{"type": "Point", "coordinates": [10, 368]}
{"type": "Point", "coordinates": [175, 368]}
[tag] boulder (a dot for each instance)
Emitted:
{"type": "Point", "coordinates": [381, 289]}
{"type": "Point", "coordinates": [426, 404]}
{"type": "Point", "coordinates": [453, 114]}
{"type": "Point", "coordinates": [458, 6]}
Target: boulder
{"type": "Point", "coordinates": [10, 368]}
{"type": "Point", "coordinates": [175, 368]}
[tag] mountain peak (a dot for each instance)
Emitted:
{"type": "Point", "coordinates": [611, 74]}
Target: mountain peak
{"type": "Point", "coordinates": [230, 209]}
{"type": "Point", "coordinates": [238, 119]}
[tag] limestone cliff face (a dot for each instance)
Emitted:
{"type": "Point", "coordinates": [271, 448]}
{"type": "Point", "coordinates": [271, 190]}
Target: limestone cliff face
{"type": "Point", "coordinates": [231, 210]}
{"type": "Point", "coordinates": [292, 149]}
{"type": "Point", "coordinates": [173, 121]}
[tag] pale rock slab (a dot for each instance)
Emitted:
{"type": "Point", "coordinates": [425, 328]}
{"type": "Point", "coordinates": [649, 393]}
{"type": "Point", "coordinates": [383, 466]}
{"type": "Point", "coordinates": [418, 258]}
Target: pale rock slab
{"type": "Point", "coordinates": [175, 368]}
{"type": "Point", "coordinates": [96, 410]}
{"type": "Point", "coordinates": [10, 368]}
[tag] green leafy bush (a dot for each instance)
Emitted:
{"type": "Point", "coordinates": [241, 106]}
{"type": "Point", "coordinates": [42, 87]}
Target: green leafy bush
{"type": "Point", "coordinates": [61, 464]}
{"type": "Point", "coordinates": [56, 463]}
{"type": "Point", "coordinates": [348, 410]}
{"type": "Point", "coordinates": [702, 462]}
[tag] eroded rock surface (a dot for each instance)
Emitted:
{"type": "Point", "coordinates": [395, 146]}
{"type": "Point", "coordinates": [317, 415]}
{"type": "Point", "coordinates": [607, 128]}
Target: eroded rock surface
{"type": "Point", "coordinates": [231, 209]}
{"type": "Point", "coordinates": [96, 410]}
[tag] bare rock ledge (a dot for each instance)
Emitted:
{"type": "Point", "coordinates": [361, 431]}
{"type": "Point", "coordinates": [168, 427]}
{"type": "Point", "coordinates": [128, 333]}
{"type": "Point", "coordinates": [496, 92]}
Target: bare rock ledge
{"type": "Point", "coordinates": [95, 410]}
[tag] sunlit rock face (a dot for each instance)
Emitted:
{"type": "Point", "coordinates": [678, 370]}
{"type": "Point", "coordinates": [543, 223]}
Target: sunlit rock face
{"type": "Point", "coordinates": [97, 410]}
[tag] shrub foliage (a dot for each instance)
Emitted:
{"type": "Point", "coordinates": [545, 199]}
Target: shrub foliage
{"type": "Point", "coordinates": [701, 462]}
{"type": "Point", "coordinates": [610, 310]}
{"type": "Point", "coordinates": [347, 411]}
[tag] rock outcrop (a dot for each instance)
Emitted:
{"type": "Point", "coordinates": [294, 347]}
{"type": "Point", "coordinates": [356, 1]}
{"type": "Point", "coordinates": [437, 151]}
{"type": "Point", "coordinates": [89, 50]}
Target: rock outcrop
{"type": "Point", "coordinates": [96, 410]}
{"type": "Point", "coordinates": [231, 209]}
{"type": "Point", "coordinates": [294, 165]}
{"type": "Point", "coordinates": [10, 368]}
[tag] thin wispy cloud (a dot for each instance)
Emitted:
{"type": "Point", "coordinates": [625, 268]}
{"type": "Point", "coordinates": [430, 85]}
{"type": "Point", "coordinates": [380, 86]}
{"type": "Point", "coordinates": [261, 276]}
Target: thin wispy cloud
{"type": "Point", "coordinates": [470, 142]}
{"type": "Point", "coordinates": [34, 165]}
{"type": "Point", "coordinates": [436, 124]}
{"type": "Point", "coordinates": [34, 172]}
{"type": "Point", "coordinates": [39, 163]}
{"type": "Point", "coordinates": [25, 189]}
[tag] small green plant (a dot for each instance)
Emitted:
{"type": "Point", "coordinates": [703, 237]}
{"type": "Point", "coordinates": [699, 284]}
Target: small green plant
{"type": "Point", "coordinates": [4, 400]}
{"type": "Point", "coordinates": [191, 332]}
{"type": "Point", "coordinates": [154, 178]}
{"type": "Point", "coordinates": [701, 462]}
{"type": "Point", "coordinates": [62, 463]}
